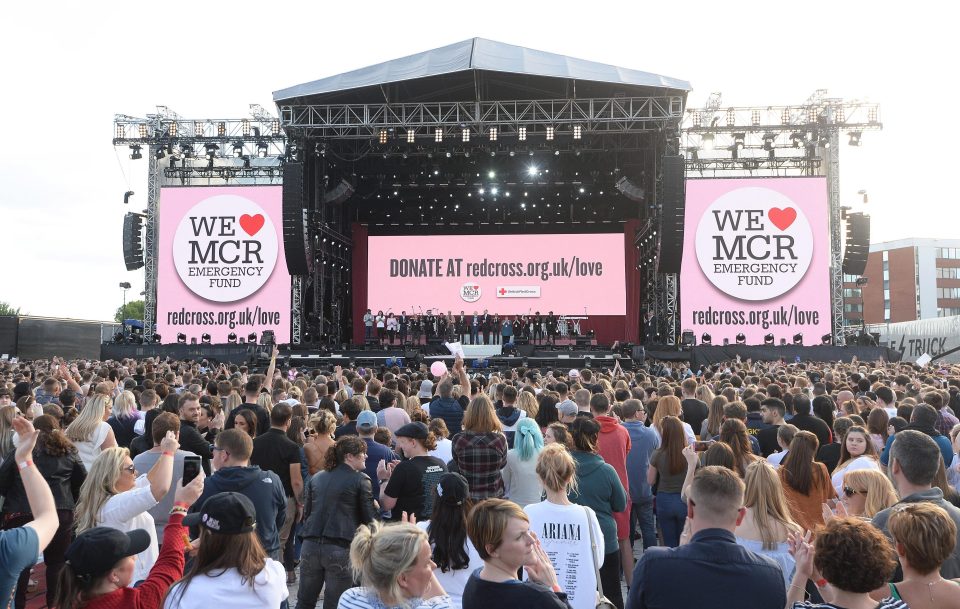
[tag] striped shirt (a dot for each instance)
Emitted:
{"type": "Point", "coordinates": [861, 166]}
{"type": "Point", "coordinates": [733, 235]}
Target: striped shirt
{"type": "Point", "coordinates": [364, 598]}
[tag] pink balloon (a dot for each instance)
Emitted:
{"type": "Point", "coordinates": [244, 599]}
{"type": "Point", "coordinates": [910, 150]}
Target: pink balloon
{"type": "Point", "coordinates": [438, 368]}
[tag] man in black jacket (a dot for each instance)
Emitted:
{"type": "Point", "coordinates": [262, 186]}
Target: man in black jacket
{"type": "Point", "coordinates": [251, 391]}
{"type": "Point", "coordinates": [190, 438]}
{"type": "Point", "coordinates": [805, 420]}
{"type": "Point", "coordinates": [337, 502]}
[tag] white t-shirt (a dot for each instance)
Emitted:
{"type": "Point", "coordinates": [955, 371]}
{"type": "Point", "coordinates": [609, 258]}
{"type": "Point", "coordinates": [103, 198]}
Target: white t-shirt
{"type": "Point", "coordinates": [269, 590]}
{"type": "Point", "coordinates": [858, 463]}
{"type": "Point", "coordinates": [687, 431]}
{"type": "Point", "coordinates": [563, 533]}
{"type": "Point", "coordinates": [443, 451]}
{"type": "Point", "coordinates": [775, 459]}
{"type": "Point", "coordinates": [128, 512]}
{"type": "Point", "coordinates": [89, 449]}
{"type": "Point", "coordinates": [454, 581]}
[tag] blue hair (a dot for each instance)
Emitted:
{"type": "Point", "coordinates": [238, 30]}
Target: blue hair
{"type": "Point", "coordinates": [528, 440]}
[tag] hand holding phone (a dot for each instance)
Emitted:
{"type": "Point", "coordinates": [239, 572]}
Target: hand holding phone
{"type": "Point", "coordinates": [191, 468]}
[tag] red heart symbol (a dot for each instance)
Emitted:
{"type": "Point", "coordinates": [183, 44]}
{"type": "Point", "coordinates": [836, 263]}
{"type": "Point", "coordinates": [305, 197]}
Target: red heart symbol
{"type": "Point", "coordinates": [782, 218]}
{"type": "Point", "coordinates": [251, 224]}
{"type": "Point", "coordinates": [476, 287]}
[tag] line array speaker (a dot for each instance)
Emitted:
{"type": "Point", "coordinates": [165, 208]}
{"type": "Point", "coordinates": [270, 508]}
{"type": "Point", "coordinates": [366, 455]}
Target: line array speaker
{"type": "Point", "coordinates": [672, 209]}
{"type": "Point", "coordinates": [297, 246]}
{"type": "Point", "coordinates": [858, 244]}
{"type": "Point", "coordinates": [132, 241]}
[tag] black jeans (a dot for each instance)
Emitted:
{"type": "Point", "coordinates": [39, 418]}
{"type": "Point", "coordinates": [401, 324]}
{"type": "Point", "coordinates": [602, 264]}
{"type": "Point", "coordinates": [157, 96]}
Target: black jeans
{"type": "Point", "coordinates": [610, 578]}
{"type": "Point", "coordinates": [53, 556]}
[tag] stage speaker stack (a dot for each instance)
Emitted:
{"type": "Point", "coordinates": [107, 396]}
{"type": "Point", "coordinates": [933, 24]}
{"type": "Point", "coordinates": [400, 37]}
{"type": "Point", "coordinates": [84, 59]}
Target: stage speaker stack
{"type": "Point", "coordinates": [858, 244]}
{"type": "Point", "coordinates": [133, 241]}
{"type": "Point", "coordinates": [673, 204]}
{"type": "Point", "coordinates": [297, 244]}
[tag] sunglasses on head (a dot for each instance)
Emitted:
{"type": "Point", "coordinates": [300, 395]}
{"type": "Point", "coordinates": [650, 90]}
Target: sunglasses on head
{"type": "Point", "coordinates": [849, 492]}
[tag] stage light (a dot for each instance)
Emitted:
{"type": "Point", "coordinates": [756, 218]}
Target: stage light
{"type": "Point", "coordinates": [275, 127]}
{"type": "Point", "coordinates": [741, 339]}
{"type": "Point", "coordinates": [706, 339]}
{"type": "Point", "coordinates": [465, 134]}
{"type": "Point", "coordinates": [172, 129]}
{"type": "Point", "coordinates": [826, 339]}
{"type": "Point", "coordinates": [731, 117]}
{"type": "Point", "coordinates": [706, 142]}
{"type": "Point", "coordinates": [768, 339]}
{"type": "Point", "coordinates": [522, 134]}
{"type": "Point", "coordinates": [768, 141]}
{"type": "Point", "coordinates": [549, 134]}
{"type": "Point", "coordinates": [221, 129]}
{"type": "Point", "coordinates": [411, 136]}
{"type": "Point", "coordinates": [245, 127]}
{"type": "Point", "coordinates": [237, 150]}
{"type": "Point", "coordinates": [186, 151]}
{"type": "Point", "coordinates": [156, 338]}
{"type": "Point", "coordinates": [205, 338]}
{"type": "Point", "coordinates": [142, 130]}
{"type": "Point", "coordinates": [181, 338]}
{"type": "Point", "coordinates": [493, 134]}
{"type": "Point", "coordinates": [491, 174]}
{"type": "Point", "coordinates": [135, 152]}
{"type": "Point", "coordinates": [494, 191]}
{"type": "Point", "coordinates": [262, 150]}
{"type": "Point", "coordinates": [211, 151]}
{"type": "Point", "coordinates": [252, 338]}
{"type": "Point", "coordinates": [532, 170]}
{"type": "Point", "coordinates": [121, 131]}
{"type": "Point", "coordinates": [198, 129]}
{"type": "Point", "coordinates": [438, 135]}
{"type": "Point", "coordinates": [854, 138]}
{"type": "Point", "coordinates": [577, 132]}
{"type": "Point", "coordinates": [448, 154]}
{"type": "Point", "coordinates": [556, 153]}
{"type": "Point", "coordinates": [798, 338]}
{"type": "Point", "coordinates": [383, 136]}
{"type": "Point", "coordinates": [739, 139]}
{"type": "Point", "coordinates": [755, 117]}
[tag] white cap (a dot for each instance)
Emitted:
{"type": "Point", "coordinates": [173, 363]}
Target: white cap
{"type": "Point", "coordinates": [574, 373]}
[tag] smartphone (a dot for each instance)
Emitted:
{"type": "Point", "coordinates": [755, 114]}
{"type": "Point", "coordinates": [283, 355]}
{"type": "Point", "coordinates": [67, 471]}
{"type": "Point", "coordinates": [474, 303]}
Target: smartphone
{"type": "Point", "coordinates": [191, 468]}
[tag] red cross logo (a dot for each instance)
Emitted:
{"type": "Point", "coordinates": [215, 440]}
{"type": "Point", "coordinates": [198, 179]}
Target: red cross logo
{"type": "Point", "coordinates": [503, 291]}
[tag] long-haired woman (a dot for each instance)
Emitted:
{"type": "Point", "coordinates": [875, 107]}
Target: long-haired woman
{"type": "Point", "coordinates": [546, 411]}
{"type": "Point", "coordinates": [90, 432]}
{"type": "Point", "coordinates": [453, 553]}
{"type": "Point", "coordinates": [113, 496]}
{"type": "Point", "coordinates": [565, 528]}
{"type": "Point", "coordinates": [669, 406]}
{"type": "Point", "coordinates": [323, 424]}
{"type": "Point", "coordinates": [806, 482]}
{"type": "Point", "coordinates": [558, 433]}
{"type": "Point", "coordinates": [230, 563]}
{"type": "Point", "coordinates": [520, 480]}
{"type": "Point", "coordinates": [877, 423]}
{"type": "Point", "coordinates": [480, 450]}
{"type": "Point", "coordinates": [711, 425]}
{"type": "Point", "coordinates": [7, 415]}
{"type": "Point", "coordinates": [767, 524]}
{"type": "Point", "coordinates": [668, 464]}
{"type": "Point", "coordinates": [123, 418]}
{"type": "Point", "coordinates": [246, 421]}
{"type": "Point", "coordinates": [599, 487]}
{"type": "Point", "coordinates": [856, 452]}
{"type": "Point", "coordinates": [734, 433]}
{"type": "Point", "coordinates": [58, 461]}
{"type": "Point", "coordinates": [867, 491]}
{"type": "Point", "coordinates": [527, 402]}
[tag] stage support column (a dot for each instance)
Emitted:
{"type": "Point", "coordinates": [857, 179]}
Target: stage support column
{"type": "Point", "coordinates": [359, 280]}
{"type": "Point", "coordinates": [631, 320]}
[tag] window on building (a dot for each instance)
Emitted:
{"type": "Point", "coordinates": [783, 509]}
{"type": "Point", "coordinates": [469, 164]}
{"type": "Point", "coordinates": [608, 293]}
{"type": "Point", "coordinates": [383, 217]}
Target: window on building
{"type": "Point", "coordinates": [947, 311]}
{"type": "Point", "coordinates": [852, 308]}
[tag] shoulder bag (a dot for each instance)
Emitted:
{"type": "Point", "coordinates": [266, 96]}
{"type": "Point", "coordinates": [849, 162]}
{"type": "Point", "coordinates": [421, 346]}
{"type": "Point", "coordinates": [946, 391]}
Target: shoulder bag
{"type": "Point", "coordinates": [602, 601]}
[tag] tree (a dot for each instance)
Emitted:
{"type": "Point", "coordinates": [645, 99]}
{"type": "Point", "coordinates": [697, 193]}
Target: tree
{"type": "Point", "coordinates": [8, 309]}
{"type": "Point", "coordinates": [132, 310]}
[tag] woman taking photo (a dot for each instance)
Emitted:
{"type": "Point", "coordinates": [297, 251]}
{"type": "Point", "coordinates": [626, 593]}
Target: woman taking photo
{"type": "Point", "coordinates": [480, 450]}
{"type": "Point", "coordinates": [113, 496]}
{"type": "Point", "coordinates": [521, 483]}
{"type": "Point", "coordinates": [501, 533]}
{"type": "Point", "coordinates": [734, 433]}
{"type": "Point", "coordinates": [806, 483]}
{"type": "Point", "coordinates": [767, 524]}
{"type": "Point", "coordinates": [246, 421]}
{"type": "Point", "coordinates": [453, 554]}
{"type": "Point", "coordinates": [599, 488]}
{"type": "Point", "coordinates": [100, 574]}
{"type": "Point", "coordinates": [567, 528]}
{"type": "Point", "coordinates": [393, 565]}
{"type": "Point", "coordinates": [857, 451]}
{"type": "Point", "coordinates": [90, 432]}
{"type": "Point", "coordinates": [230, 562]}
{"type": "Point", "coordinates": [58, 461]}
{"type": "Point", "coordinates": [668, 465]}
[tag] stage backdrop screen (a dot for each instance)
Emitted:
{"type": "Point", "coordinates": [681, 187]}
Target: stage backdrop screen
{"type": "Point", "coordinates": [756, 259]}
{"type": "Point", "coordinates": [221, 266]}
{"type": "Point", "coordinates": [572, 274]}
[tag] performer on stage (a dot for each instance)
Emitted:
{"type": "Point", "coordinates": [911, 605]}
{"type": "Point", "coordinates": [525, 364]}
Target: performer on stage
{"type": "Point", "coordinates": [495, 327]}
{"type": "Point", "coordinates": [474, 328]}
{"type": "Point", "coordinates": [485, 328]}
{"type": "Point", "coordinates": [651, 333]}
{"type": "Point", "coordinates": [416, 328]}
{"type": "Point", "coordinates": [537, 328]}
{"type": "Point", "coordinates": [367, 325]}
{"type": "Point", "coordinates": [551, 327]}
{"type": "Point", "coordinates": [381, 322]}
{"type": "Point", "coordinates": [392, 327]}
{"type": "Point", "coordinates": [506, 331]}
{"type": "Point", "coordinates": [403, 323]}
{"type": "Point", "coordinates": [518, 326]}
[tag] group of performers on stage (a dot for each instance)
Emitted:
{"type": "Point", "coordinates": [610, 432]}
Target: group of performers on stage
{"type": "Point", "coordinates": [477, 329]}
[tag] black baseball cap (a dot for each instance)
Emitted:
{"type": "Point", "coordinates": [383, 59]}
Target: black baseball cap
{"type": "Point", "coordinates": [95, 551]}
{"type": "Point", "coordinates": [415, 430]}
{"type": "Point", "coordinates": [225, 513]}
{"type": "Point", "coordinates": [453, 489]}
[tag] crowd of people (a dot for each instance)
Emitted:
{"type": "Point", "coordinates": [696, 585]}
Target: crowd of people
{"type": "Point", "coordinates": [162, 483]}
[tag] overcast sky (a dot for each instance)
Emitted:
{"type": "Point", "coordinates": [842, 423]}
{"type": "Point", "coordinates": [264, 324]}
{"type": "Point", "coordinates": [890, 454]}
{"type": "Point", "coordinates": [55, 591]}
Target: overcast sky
{"type": "Point", "coordinates": [69, 67]}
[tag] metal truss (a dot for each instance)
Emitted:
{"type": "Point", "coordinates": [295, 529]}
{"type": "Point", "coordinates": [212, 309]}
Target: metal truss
{"type": "Point", "coordinates": [241, 175]}
{"type": "Point", "coordinates": [669, 291]}
{"type": "Point", "coordinates": [759, 166]}
{"type": "Point", "coordinates": [558, 116]}
{"type": "Point", "coordinates": [296, 305]}
{"type": "Point", "coordinates": [836, 238]}
{"type": "Point", "coordinates": [151, 249]}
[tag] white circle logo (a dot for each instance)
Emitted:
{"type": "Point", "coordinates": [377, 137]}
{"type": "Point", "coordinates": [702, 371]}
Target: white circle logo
{"type": "Point", "coordinates": [225, 248]}
{"type": "Point", "coordinates": [754, 243]}
{"type": "Point", "coordinates": [470, 292]}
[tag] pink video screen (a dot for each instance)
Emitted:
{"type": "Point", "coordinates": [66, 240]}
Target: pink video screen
{"type": "Point", "coordinates": [221, 266]}
{"type": "Point", "coordinates": [569, 274]}
{"type": "Point", "coordinates": [756, 259]}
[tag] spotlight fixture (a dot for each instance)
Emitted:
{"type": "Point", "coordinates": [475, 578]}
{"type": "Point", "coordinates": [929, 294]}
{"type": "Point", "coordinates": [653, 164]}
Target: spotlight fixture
{"type": "Point", "coordinates": [237, 149]}
{"type": "Point", "coordinates": [245, 127]}
{"type": "Point", "coordinates": [142, 130]}
{"type": "Point", "coordinates": [549, 134]}
{"type": "Point", "coordinates": [252, 338]}
{"type": "Point", "coordinates": [739, 139]}
{"type": "Point", "coordinates": [181, 338]}
{"type": "Point", "coordinates": [186, 151]}
{"type": "Point", "coordinates": [741, 339]}
{"type": "Point", "coordinates": [706, 142]}
{"type": "Point", "coordinates": [798, 338]}
{"type": "Point", "coordinates": [205, 338]}
{"type": "Point", "coordinates": [135, 152]}
{"type": "Point", "coordinates": [854, 138]}
{"type": "Point", "coordinates": [465, 134]}
{"type": "Point", "coordinates": [383, 136]}
{"type": "Point", "coordinates": [262, 149]}
{"type": "Point", "coordinates": [768, 339]}
{"type": "Point", "coordinates": [768, 141]}
{"type": "Point", "coordinates": [172, 129]}
{"type": "Point", "coordinates": [275, 127]}
{"type": "Point", "coordinates": [532, 170]}
{"type": "Point", "coordinates": [826, 339]}
{"type": "Point", "coordinates": [411, 136]}
{"type": "Point", "coordinates": [198, 129]}
{"type": "Point", "coordinates": [523, 134]}
{"type": "Point", "coordinates": [706, 339]}
{"type": "Point", "coordinates": [577, 132]}
{"type": "Point", "coordinates": [126, 197]}
{"type": "Point", "coordinates": [156, 338]}
{"type": "Point", "coordinates": [221, 129]}
{"type": "Point", "coordinates": [438, 134]}
{"type": "Point", "coordinates": [212, 150]}
{"type": "Point", "coordinates": [493, 134]}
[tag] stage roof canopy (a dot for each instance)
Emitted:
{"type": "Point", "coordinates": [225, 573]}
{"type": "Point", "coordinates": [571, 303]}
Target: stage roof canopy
{"type": "Point", "coordinates": [480, 70]}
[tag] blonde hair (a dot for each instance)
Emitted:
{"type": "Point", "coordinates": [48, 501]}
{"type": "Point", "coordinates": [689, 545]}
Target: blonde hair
{"type": "Point", "coordinates": [341, 396]}
{"type": "Point", "coordinates": [7, 415]}
{"type": "Point", "coordinates": [412, 405]}
{"type": "Point", "coordinates": [380, 553]}
{"type": "Point", "coordinates": [265, 401]}
{"type": "Point", "coordinates": [667, 406]}
{"type": "Point", "coordinates": [704, 394]}
{"type": "Point", "coordinates": [323, 422]}
{"type": "Point", "coordinates": [764, 496]}
{"type": "Point", "coordinates": [99, 486]}
{"type": "Point", "coordinates": [361, 401]}
{"type": "Point", "coordinates": [84, 426]}
{"type": "Point", "coordinates": [231, 401]}
{"type": "Point", "coordinates": [528, 403]}
{"type": "Point", "coordinates": [125, 405]}
{"type": "Point", "coordinates": [879, 489]}
{"type": "Point", "coordinates": [557, 469]}
{"type": "Point", "coordinates": [480, 417]}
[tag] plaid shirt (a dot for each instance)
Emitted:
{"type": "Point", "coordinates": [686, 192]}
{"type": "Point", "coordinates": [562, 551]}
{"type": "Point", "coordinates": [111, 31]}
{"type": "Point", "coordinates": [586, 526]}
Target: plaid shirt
{"type": "Point", "coordinates": [946, 420]}
{"type": "Point", "coordinates": [480, 457]}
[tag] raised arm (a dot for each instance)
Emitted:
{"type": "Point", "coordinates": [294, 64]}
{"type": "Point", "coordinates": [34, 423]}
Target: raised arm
{"type": "Point", "coordinates": [160, 475]}
{"type": "Point", "coordinates": [45, 521]}
{"type": "Point", "coordinates": [272, 368]}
